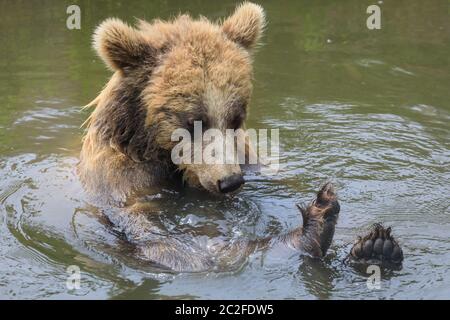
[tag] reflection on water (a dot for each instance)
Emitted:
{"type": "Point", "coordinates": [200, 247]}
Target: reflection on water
{"type": "Point", "coordinates": [366, 109]}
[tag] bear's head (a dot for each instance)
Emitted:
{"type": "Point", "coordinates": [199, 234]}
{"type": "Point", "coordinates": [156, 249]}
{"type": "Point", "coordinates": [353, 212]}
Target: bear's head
{"type": "Point", "coordinates": [168, 75]}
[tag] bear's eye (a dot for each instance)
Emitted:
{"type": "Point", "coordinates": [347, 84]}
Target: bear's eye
{"type": "Point", "coordinates": [190, 123]}
{"type": "Point", "coordinates": [239, 110]}
{"type": "Point", "coordinates": [237, 121]}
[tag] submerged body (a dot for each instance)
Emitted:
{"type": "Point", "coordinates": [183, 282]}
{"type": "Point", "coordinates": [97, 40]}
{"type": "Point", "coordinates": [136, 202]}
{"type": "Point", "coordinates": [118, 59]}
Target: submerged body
{"type": "Point", "coordinates": [313, 238]}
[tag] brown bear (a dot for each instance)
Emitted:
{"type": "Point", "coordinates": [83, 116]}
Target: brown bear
{"type": "Point", "coordinates": [168, 75]}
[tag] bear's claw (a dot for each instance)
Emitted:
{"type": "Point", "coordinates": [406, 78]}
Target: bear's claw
{"type": "Point", "coordinates": [377, 247]}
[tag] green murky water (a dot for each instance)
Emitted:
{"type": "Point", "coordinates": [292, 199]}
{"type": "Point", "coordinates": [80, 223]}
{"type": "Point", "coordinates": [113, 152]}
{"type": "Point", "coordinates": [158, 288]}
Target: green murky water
{"type": "Point", "coordinates": [368, 109]}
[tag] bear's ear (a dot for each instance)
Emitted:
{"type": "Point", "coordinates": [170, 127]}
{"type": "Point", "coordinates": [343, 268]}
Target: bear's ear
{"type": "Point", "coordinates": [121, 46]}
{"type": "Point", "coordinates": [246, 25]}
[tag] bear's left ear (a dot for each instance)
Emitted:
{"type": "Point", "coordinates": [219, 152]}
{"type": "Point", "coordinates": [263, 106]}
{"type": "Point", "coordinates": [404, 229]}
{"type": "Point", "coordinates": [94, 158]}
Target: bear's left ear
{"type": "Point", "coordinates": [246, 25]}
{"type": "Point", "coordinates": [121, 46]}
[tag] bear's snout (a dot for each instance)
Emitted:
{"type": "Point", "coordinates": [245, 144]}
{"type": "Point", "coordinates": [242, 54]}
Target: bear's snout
{"type": "Point", "coordinates": [231, 183]}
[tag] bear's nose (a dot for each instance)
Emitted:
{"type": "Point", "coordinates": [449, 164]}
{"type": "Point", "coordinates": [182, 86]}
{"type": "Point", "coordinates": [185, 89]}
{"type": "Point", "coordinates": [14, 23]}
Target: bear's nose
{"type": "Point", "coordinates": [231, 183]}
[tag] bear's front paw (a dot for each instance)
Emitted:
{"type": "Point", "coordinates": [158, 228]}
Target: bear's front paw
{"type": "Point", "coordinates": [377, 247]}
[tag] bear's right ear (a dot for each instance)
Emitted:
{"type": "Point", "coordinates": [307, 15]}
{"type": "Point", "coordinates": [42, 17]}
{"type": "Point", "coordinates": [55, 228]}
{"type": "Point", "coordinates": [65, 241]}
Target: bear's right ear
{"type": "Point", "coordinates": [121, 46]}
